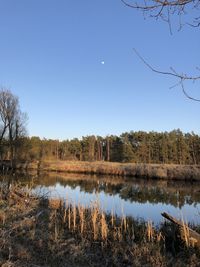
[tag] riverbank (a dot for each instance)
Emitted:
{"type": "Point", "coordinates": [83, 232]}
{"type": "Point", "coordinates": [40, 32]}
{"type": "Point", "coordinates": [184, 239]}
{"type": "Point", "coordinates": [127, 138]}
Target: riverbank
{"type": "Point", "coordinates": [40, 232]}
{"type": "Point", "coordinates": [150, 171]}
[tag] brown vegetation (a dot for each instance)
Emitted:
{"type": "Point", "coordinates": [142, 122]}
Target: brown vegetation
{"type": "Point", "coordinates": [39, 232]}
{"type": "Point", "coordinates": [155, 171]}
{"type": "Point", "coordinates": [189, 236]}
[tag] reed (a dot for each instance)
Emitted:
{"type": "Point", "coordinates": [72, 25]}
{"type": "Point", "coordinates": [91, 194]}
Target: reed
{"type": "Point", "coordinates": [52, 233]}
{"type": "Point", "coordinates": [185, 232]}
{"type": "Point", "coordinates": [94, 216]}
{"type": "Point", "coordinates": [158, 171]}
{"type": "Point", "coordinates": [65, 216]}
{"type": "Point", "coordinates": [159, 237]}
{"type": "Point", "coordinates": [92, 222]}
{"type": "Point", "coordinates": [104, 227]}
{"type": "Point", "coordinates": [74, 215]}
{"type": "Point", "coordinates": [124, 223]}
{"type": "Point", "coordinates": [112, 218]}
{"type": "Point", "coordinates": [150, 231]}
{"type": "Point", "coordinates": [56, 227]}
{"type": "Point", "coordinates": [69, 217]}
{"type": "Point", "coordinates": [81, 210]}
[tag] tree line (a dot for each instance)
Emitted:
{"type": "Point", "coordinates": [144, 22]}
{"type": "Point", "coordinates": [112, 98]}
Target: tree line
{"type": "Point", "coordinates": [172, 147]}
{"type": "Point", "coordinates": [141, 147]}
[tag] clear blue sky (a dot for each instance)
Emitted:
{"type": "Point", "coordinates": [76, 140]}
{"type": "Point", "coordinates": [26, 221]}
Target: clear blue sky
{"type": "Point", "coordinates": [51, 54]}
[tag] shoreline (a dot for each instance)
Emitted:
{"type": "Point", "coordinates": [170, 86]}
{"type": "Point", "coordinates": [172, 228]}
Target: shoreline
{"type": "Point", "coordinates": [40, 232]}
{"type": "Point", "coordinates": [138, 170]}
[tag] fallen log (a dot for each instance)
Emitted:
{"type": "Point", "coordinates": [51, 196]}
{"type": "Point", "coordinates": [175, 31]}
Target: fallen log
{"type": "Point", "coordinates": [189, 236]}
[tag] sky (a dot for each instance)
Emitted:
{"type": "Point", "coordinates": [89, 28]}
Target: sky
{"type": "Point", "coordinates": [73, 67]}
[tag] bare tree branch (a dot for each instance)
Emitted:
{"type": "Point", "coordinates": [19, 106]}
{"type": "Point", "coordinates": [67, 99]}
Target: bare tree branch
{"type": "Point", "coordinates": [165, 8]}
{"type": "Point", "coordinates": [154, 4]}
{"type": "Point", "coordinates": [181, 77]}
{"type": "Point", "coordinates": [173, 73]}
{"type": "Point", "coordinates": [187, 95]}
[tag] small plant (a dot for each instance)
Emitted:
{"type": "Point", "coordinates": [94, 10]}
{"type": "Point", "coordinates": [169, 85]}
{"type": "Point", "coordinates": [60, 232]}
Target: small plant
{"type": "Point", "coordinates": [185, 232]}
{"type": "Point", "coordinates": [69, 217]}
{"type": "Point", "coordinates": [95, 213]}
{"type": "Point", "coordinates": [150, 231]}
{"type": "Point", "coordinates": [74, 215]}
{"type": "Point", "coordinates": [104, 227]}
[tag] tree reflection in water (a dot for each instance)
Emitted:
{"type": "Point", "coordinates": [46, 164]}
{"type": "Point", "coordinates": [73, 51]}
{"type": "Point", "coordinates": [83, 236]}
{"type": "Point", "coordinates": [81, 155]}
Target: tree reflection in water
{"type": "Point", "coordinates": [174, 193]}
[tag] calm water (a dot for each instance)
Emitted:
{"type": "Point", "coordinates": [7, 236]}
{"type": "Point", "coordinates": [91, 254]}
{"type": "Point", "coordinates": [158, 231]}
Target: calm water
{"type": "Point", "coordinates": [132, 197]}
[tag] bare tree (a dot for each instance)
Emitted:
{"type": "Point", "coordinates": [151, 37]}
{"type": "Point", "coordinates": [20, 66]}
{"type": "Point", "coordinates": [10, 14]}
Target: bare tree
{"type": "Point", "coordinates": [12, 122]}
{"type": "Point", "coordinates": [3, 114]}
{"type": "Point", "coordinates": [165, 9]}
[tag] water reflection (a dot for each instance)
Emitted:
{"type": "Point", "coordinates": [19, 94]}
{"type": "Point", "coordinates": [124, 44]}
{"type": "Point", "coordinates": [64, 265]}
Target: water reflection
{"type": "Point", "coordinates": [132, 197]}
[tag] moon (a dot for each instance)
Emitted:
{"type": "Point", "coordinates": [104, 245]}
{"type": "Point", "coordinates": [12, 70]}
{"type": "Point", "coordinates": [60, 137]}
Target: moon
{"type": "Point", "coordinates": [102, 62]}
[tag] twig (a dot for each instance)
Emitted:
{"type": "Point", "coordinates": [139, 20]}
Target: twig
{"type": "Point", "coordinates": [173, 73]}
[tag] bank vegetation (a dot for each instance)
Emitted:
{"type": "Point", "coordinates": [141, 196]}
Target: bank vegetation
{"type": "Point", "coordinates": [138, 170]}
{"type": "Point", "coordinates": [35, 231]}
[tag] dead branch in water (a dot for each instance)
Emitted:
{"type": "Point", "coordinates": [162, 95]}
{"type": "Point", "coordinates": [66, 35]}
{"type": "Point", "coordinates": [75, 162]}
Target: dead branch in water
{"type": "Point", "coordinates": [190, 236]}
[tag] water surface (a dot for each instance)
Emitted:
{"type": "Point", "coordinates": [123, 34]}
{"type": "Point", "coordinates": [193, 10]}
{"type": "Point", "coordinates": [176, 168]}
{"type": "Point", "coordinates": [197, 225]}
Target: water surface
{"type": "Point", "coordinates": [145, 199]}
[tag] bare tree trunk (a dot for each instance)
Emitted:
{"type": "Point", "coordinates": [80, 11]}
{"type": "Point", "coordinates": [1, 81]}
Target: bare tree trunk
{"type": "Point", "coordinates": [108, 149]}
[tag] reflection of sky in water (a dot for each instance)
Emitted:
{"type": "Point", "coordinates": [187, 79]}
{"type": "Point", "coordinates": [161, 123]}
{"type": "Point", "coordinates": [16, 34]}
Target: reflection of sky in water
{"type": "Point", "coordinates": [148, 211]}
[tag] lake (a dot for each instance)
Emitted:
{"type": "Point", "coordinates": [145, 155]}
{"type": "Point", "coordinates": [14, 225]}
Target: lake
{"type": "Point", "coordinates": [138, 198]}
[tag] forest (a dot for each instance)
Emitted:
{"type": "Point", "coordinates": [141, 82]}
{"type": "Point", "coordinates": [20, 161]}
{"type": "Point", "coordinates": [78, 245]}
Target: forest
{"type": "Point", "coordinates": [174, 147]}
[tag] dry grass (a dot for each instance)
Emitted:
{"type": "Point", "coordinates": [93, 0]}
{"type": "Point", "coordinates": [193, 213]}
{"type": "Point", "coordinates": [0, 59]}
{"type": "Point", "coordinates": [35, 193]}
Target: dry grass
{"type": "Point", "coordinates": [92, 222]}
{"type": "Point", "coordinates": [156, 171]}
{"type": "Point", "coordinates": [185, 235]}
{"type": "Point", "coordinates": [150, 231]}
{"type": "Point", "coordinates": [41, 232]}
